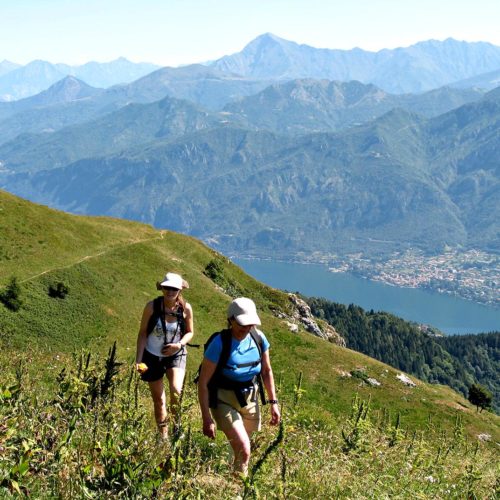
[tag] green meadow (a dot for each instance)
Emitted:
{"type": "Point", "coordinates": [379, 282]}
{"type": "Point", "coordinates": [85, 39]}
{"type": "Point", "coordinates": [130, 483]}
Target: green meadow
{"type": "Point", "coordinates": [75, 422]}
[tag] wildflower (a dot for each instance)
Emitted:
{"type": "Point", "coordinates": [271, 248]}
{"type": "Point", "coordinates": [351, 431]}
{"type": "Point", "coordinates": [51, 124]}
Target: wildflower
{"type": "Point", "coordinates": [431, 479]}
{"type": "Point", "coordinates": [484, 437]}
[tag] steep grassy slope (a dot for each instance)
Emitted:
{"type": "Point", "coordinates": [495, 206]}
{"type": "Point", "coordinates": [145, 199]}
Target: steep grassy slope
{"type": "Point", "coordinates": [111, 266]}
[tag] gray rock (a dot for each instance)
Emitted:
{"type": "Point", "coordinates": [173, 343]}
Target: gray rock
{"type": "Point", "coordinates": [302, 313]}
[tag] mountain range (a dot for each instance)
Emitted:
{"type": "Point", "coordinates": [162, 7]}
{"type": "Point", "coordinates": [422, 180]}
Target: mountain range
{"type": "Point", "coordinates": [302, 165]}
{"type": "Point", "coordinates": [269, 59]}
{"type": "Point", "coordinates": [297, 107]}
{"type": "Point", "coordinates": [17, 82]}
{"type": "Point", "coordinates": [400, 180]}
{"type": "Point", "coordinates": [420, 67]}
{"type": "Point", "coordinates": [305, 106]}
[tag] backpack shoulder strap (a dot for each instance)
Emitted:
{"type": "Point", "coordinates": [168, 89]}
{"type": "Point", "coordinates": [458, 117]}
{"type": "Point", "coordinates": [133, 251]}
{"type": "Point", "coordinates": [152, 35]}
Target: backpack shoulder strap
{"type": "Point", "coordinates": [257, 338]}
{"type": "Point", "coordinates": [157, 309]}
{"type": "Point", "coordinates": [181, 320]}
{"type": "Point", "coordinates": [226, 338]}
{"type": "Point", "coordinates": [210, 339]}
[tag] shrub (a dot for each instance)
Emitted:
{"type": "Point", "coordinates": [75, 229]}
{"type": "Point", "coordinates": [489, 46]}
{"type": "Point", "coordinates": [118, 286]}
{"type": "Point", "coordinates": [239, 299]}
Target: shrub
{"type": "Point", "coordinates": [58, 291]}
{"type": "Point", "coordinates": [216, 271]}
{"type": "Point", "coordinates": [10, 297]}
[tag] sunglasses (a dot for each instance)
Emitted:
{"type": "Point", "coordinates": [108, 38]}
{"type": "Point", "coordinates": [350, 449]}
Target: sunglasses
{"type": "Point", "coordinates": [170, 289]}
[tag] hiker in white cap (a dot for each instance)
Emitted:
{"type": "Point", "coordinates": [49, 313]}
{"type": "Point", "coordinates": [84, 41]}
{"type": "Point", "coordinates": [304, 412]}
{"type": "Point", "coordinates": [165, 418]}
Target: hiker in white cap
{"type": "Point", "coordinates": [235, 371]}
{"type": "Point", "coordinates": [166, 328]}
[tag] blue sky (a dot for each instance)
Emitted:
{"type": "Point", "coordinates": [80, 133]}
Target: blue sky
{"type": "Point", "coordinates": [174, 32]}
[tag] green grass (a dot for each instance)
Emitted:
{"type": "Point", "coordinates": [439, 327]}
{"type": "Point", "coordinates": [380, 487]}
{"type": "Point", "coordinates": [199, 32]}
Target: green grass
{"type": "Point", "coordinates": [66, 442]}
{"type": "Point", "coordinates": [107, 293]}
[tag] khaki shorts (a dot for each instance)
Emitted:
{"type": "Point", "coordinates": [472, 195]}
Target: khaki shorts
{"type": "Point", "coordinates": [229, 411]}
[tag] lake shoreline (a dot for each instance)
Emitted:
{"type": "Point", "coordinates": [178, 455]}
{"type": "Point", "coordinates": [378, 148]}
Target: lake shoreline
{"type": "Point", "coordinates": [443, 311]}
{"type": "Point", "coordinates": [375, 279]}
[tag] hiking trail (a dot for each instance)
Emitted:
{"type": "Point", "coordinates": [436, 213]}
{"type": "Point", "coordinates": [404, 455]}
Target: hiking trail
{"type": "Point", "coordinates": [88, 257]}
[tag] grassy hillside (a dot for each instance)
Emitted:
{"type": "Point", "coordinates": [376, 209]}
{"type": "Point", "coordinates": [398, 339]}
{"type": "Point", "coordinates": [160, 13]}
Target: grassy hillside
{"type": "Point", "coordinates": [110, 268]}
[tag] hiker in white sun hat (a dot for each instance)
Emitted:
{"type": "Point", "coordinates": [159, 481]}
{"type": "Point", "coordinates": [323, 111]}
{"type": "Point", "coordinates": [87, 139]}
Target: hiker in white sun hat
{"type": "Point", "coordinates": [166, 328]}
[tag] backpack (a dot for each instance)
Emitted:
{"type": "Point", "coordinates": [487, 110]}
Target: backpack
{"type": "Point", "coordinates": [159, 312]}
{"type": "Point", "coordinates": [218, 380]}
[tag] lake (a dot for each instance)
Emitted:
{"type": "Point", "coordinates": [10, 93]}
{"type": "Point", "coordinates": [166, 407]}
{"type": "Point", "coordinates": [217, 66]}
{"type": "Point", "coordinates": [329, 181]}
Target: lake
{"type": "Point", "coordinates": [452, 315]}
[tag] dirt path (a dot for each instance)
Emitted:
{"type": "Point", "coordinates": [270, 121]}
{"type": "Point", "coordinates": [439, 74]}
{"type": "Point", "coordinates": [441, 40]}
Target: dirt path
{"type": "Point", "coordinates": [88, 257]}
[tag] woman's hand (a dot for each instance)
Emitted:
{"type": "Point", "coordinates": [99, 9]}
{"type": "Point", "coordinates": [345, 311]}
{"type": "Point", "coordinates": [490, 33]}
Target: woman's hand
{"type": "Point", "coordinates": [171, 349]}
{"type": "Point", "coordinates": [275, 414]}
{"type": "Point", "coordinates": [209, 428]}
{"type": "Point", "coordinates": [141, 367]}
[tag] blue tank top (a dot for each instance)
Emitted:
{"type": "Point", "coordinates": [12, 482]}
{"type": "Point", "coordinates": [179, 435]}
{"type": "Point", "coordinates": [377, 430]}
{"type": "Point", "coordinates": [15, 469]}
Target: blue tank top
{"type": "Point", "coordinates": [241, 352]}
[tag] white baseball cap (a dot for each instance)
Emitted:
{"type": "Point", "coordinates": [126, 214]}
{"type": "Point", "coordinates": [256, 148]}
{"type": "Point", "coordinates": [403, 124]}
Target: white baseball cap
{"type": "Point", "coordinates": [243, 310]}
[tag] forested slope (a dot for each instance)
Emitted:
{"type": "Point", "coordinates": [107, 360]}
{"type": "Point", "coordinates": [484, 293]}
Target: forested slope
{"type": "Point", "coordinates": [457, 361]}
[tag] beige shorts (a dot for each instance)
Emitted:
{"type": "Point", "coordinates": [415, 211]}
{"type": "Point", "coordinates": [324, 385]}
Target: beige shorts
{"type": "Point", "coordinates": [229, 411]}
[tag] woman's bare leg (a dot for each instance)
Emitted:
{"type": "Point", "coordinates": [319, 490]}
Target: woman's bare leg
{"type": "Point", "coordinates": [175, 377]}
{"type": "Point", "coordinates": [159, 403]}
{"type": "Point", "coordinates": [240, 443]}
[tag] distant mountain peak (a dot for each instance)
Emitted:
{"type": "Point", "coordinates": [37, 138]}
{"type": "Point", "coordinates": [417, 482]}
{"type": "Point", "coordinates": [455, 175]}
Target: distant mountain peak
{"type": "Point", "coordinates": [67, 89]}
{"type": "Point", "coordinates": [263, 42]}
{"type": "Point", "coordinates": [69, 82]}
{"type": "Point", "coordinates": [269, 37]}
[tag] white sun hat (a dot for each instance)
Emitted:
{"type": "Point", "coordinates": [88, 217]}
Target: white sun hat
{"type": "Point", "coordinates": [174, 280]}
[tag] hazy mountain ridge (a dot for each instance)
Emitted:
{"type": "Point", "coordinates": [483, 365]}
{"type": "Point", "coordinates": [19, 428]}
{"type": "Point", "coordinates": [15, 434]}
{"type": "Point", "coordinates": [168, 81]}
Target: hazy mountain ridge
{"type": "Point", "coordinates": [420, 67]}
{"type": "Point", "coordinates": [129, 126]}
{"type": "Point", "coordinates": [487, 81]}
{"type": "Point", "coordinates": [300, 106]}
{"type": "Point", "coordinates": [7, 66]}
{"type": "Point", "coordinates": [206, 86]}
{"type": "Point", "coordinates": [304, 106]}
{"type": "Point", "coordinates": [36, 76]}
{"type": "Point", "coordinates": [396, 180]}
{"type": "Point", "coordinates": [296, 107]}
{"type": "Point", "coordinates": [65, 90]}
{"type": "Point", "coordinates": [267, 59]}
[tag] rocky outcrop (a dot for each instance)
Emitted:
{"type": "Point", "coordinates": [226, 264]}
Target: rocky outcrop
{"type": "Point", "coordinates": [406, 380]}
{"type": "Point", "coordinates": [302, 315]}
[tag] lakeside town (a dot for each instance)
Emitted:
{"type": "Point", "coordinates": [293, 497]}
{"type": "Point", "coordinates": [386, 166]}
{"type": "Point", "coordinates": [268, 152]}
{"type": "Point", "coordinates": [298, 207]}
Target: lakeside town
{"type": "Point", "coordinates": [473, 274]}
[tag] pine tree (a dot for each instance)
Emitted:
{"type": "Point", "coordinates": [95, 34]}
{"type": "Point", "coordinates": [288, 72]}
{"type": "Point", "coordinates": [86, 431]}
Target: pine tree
{"type": "Point", "coordinates": [480, 397]}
